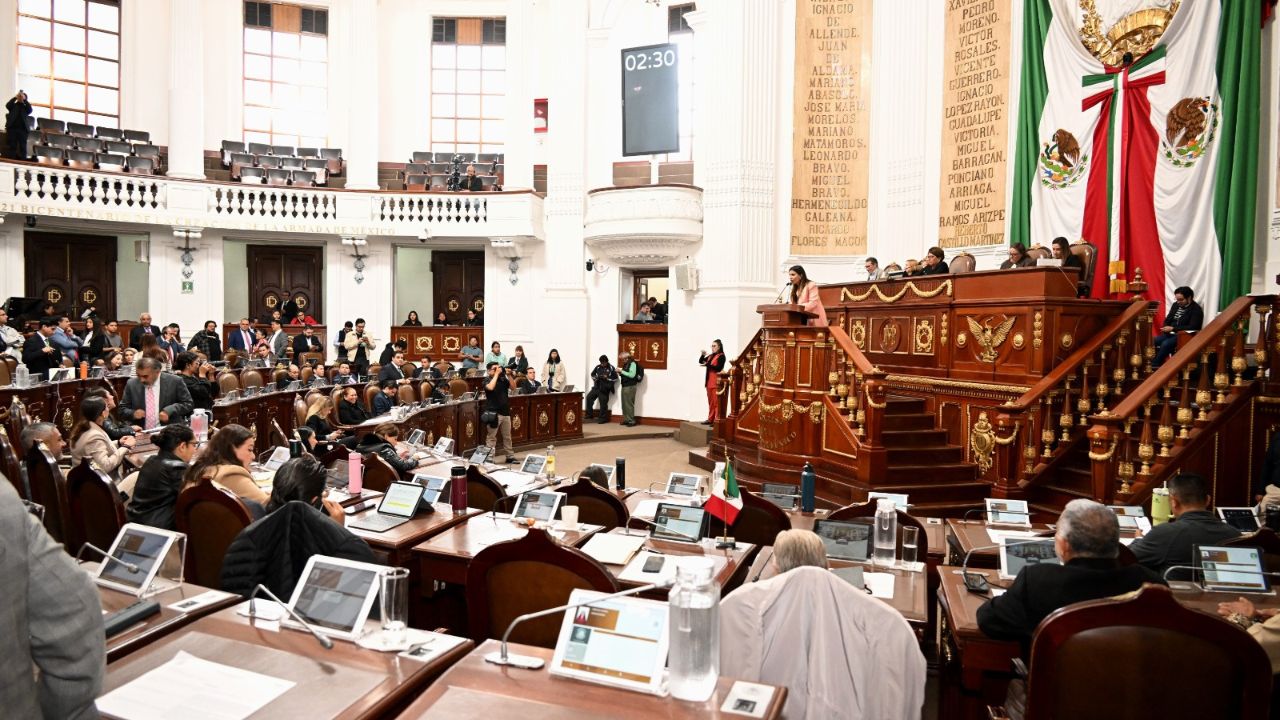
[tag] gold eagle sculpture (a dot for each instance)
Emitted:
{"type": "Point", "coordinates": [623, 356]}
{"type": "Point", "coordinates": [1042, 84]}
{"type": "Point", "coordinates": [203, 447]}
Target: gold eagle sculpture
{"type": "Point", "coordinates": [990, 338]}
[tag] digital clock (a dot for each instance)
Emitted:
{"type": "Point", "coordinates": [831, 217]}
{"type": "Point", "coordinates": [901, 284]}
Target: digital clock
{"type": "Point", "coordinates": [650, 100]}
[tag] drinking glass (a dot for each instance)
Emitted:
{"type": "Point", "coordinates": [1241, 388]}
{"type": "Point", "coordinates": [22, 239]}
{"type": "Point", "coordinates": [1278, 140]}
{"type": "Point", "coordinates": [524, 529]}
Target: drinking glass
{"type": "Point", "coordinates": [910, 546]}
{"type": "Point", "coordinates": [394, 599]}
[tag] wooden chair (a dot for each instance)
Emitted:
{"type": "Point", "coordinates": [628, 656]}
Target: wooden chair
{"type": "Point", "coordinates": [305, 374]}
{"type": "Point", "coordinates": [962, 263]}
{"type": "Point", "coordinates": [521, 576]}
{"type": "Point", "coordinates": [458, 386]}
{"type": "Point", "coordinates": [250, 378]}
{"type": "Point", "coordinates": [596, 506]}
{"type": "Point", "coordinates": [277, 434]}
{"type": "Point", "coordinates": [231, 357]}
{"type": "Point", "coordinates": [406, 394]}
{"type": "Point", "coordinates": [211, 517]}
{"type": "Point", "coordinates": [48, 488]}
{"type": "Point", "coordinates": [10, 465]}
{"type": "Point", "coordinates": [370, 391]}
{"type": "Point", "coordinates": [277, 375]}
{"type": "Point", "coordinates": [759, 521]}
{"type": "Point", "coordinates": [1039, 252]}
{"type": "Point", "coordinates": [95, 510]}
{"type": "Point", "coordinates": [1095, 645]}
{"type": "Point", "coordinates": [228, 383]}
{"type": "Point", "coordinates": [311, 358]}
{"type": "Point", "coordinates": [300, 410]}
{"type": "Point", "coordinates": [484, 492]}
{"type": "Point", "coordinates": [1088, 252]}
{"type": "Point", "coordinates": [378, 474]}
{"type": "Point", "coordinates": [868, 510]}
{"type": "Point", "coordinates": [338, 453]}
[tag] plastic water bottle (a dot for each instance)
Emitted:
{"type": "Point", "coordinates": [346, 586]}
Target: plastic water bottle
{"type": "Point", "coordinates": [886, 539]}
{"type": "Point", "coordinates": [808, 486]}
{"type": "Point", "coordinates": [1160, 510]}
{"type": "Point", "coordinates": [550, 467]}
{"type": "Point", "coordinates": [694, 654]}
{"type": "Point", "coordinates": [22, 376]}
{"type": "Point", "coordinates": [200, 425]}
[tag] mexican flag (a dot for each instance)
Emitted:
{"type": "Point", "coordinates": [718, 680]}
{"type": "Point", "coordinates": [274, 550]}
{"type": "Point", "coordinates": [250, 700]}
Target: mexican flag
{"type": "Point", "coordinates": [725, 501]}
{"type": "Point", "coordinates": [1152, 158]}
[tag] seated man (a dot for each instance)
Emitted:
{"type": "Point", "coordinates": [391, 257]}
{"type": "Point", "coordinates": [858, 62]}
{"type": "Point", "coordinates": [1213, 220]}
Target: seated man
{"type": "Point", "coordinates": [841, 652]}
{"type": "Point", "coordinates": [307, 342]}
{"type": "Point", "coordinates": [472, 353]}
{"type": "Point", "coordinates": [343, 376]}
{"type": "Point", "coordinates": [1174, 543]}
{"type": "Point", "coordinates": [394, 370]}
{"type": "Point", "coordinates": [65, 339]}
{"type": "Point", "coordinates": [47, 433]}
{"type": "Point", "coordinates": [1185, 315]}
{"type": "Point", "coordinates": [1088, 542]}
{"type": "Point", "coordinates": [644, 315]}
{"type": "Point", "coordinates": [529, 383]}
{"type": "Point", "coordinates": [292, 375]}
{"type": "Point", "coordinates": [386, 397]}
{"type": "Point", "coordinates": [388, 352]}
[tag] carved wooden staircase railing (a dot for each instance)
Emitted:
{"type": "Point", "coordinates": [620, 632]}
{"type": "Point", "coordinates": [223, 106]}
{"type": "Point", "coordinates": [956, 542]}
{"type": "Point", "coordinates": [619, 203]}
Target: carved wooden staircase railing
{"type": "Point", "coordinates": [1185, 405]}
{"type": "Point", "coordinates": [745, 376]}
{"type": "Point", "coordinates": [1044, 427]}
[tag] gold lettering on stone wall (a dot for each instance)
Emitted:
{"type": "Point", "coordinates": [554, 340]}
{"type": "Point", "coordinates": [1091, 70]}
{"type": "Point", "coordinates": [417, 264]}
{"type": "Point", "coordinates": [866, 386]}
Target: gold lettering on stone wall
{"type": "Point", "coordinates": [830, 141]}
{"type": "Point", "coordinates": [975, 123]}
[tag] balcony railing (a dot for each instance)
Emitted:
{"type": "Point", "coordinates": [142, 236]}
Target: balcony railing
{"type": "Point", "coordinates": [32, 189]}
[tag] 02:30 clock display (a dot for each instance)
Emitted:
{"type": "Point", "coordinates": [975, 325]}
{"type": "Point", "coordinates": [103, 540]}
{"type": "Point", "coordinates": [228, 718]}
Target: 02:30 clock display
{"type": "Point", "coordinates": [650, 60]}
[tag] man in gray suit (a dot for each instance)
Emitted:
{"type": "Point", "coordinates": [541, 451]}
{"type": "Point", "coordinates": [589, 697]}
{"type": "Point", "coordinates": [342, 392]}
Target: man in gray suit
{"type": "Point", "coordinates": [278, 340]}
{"type": "Point", "coordinates": [52, 623]}
{"type": "Point", "coordinates": [168, 396]}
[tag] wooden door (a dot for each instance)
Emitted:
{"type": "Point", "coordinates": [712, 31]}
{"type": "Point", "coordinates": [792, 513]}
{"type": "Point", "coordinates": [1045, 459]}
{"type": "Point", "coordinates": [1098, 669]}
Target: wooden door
{"type": "Point", "coordinates": [276, 273]}
{"type": "Point", "coordinates": [457, 284]}
{"type": "Point", "coordinates": [74, 272]}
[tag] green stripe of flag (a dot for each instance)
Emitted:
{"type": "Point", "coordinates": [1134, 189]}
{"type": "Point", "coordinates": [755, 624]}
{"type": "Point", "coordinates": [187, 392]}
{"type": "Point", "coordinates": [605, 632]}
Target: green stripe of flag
{"type": "Point", "coordinates": [1034, 90]}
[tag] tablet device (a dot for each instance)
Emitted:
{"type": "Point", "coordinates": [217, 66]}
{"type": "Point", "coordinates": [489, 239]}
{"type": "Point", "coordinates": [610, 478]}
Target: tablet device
{"type": "Point", "coordinates": [398, 506]}
{"type": "Point", "coordinates": [1016, 554]}
{"type": "Point", "coordinates": [279, 456]}
{"type": "Point", "coordinates": [1232, 569]}
{"type": "Point", "coordinates": [540, 505]}
{"type": "Point", "coordinates": [335, 595]}
{"type": "Point", "coordinates": [97, 372]}
{"type": "Point", "coordinates": [481, 454]}
{"type": "Point", "coordinates": [1007, 512]}
{"type": "Point", "coordinates": [533, 464]}
{"type": "Point", "coordinates": [1244, 519]}
{"type": "Point", "coordinates": [60, 374]}
{"type": "Point", "coordinates": [608, 470]}
{"type": "Point", "coordinates": [784, 495]}
{"type": "Point", "coordinates": [620, 642]}
{"type": "Point", "coordinates": [845, 539]}
{"type": "Point", "coordinates": [467, 396]}
{"type": "Point", "coordinates": [444, 446]}
{"type": "Point", "coordinates": [567, 388]}
{"type": "Point", "coordinates": [680, 523]}
{"type": "Point", "coordinates": [1131, 517]}
{"type": "Point", "coordinates": [899, 499]}
{"type": "Point", "coordinates": [143, 546]}
{"type": "Point", "coordinates": [416, 437]}
{"type": "Point", "coordinates": [683, 484]}
{"type": "Point", "coordinates": [433, 482]}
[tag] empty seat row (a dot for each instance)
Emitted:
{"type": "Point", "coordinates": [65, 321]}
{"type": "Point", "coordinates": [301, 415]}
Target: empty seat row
{"type": "Point", "coordinates": [321, 167]}
{"type": "Point", "coordinates": [49, 126]}
{"type": "Point", "coordinates": [414, 168]}
{"type": "Point", "coordinates": [86, 160]}
{"type": "Point", "coordinates": [277, 176]}
{"type": "Point", "coordinates": [230, 147]}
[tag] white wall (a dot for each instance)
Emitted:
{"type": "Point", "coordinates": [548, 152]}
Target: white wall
{"type": "Point", "coordinates": [413, 281]}
{"type": "Point", "coordinates": [235, 284]}
{"type": "Point", "coordinates": [133, 288]}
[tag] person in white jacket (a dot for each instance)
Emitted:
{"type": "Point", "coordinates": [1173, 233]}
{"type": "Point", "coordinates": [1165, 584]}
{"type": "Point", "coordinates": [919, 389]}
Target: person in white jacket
{"type": "Point", "coordinates": [839, 652]}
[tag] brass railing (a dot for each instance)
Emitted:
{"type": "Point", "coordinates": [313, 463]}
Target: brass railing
{"type": "Point", "coordinates": [858, 389]}
{"type": "Point", "coordinates": [745, 375]}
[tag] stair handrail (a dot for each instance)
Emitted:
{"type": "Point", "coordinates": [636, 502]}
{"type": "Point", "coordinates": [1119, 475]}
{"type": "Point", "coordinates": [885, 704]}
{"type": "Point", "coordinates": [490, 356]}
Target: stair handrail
{"type": "Point", "coordinates": [744, 375]}
{"type": "Point", "coordinates": [860, 386]}
{"type": "Point", "coordinates": [1150, 404]}
{"type": "Point", "coordinates": [1028, 421]}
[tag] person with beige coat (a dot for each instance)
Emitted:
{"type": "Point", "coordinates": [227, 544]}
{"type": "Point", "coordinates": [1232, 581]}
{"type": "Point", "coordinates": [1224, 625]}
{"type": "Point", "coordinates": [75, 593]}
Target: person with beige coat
{"type": "Point", "coordinates": [225, 461]}
{"type": "Point", "coordinates": [90, 440]}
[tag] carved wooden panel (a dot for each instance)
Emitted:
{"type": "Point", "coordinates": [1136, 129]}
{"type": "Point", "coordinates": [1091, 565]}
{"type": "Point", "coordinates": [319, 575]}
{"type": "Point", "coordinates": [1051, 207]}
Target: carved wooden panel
{"type": "Point", "coordinates": [646, 343]}
{"type": "Point", "coordinates": [457, 279]}
{"type": "Point", "coordinates": [277, 271]}
{"type": "Point", "coordinates": [519, 419]}
{"type": "Point", "coordinates": [439, 343]}
{"type": "Point", "coordinates": [74, 272]}
{"type": "Point", "coordinates": [542, 417]}
{"type": "Point", "coordinates": [568, 414]}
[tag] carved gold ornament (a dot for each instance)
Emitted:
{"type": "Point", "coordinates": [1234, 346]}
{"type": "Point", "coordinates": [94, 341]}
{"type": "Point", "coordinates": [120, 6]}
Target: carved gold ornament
{"type": "Point", "coordinates": [982, 441]}
{"type": "Point", "coordinates": [448, 431]}
{"type": "Point", "coordinates": [68, 422]}
{"type": "Point", "coordinates": [1067, 340]}
{"type": "Point", "coordinates": [889, 336]}
{"type": "Point", "coordinates": [301, 301]}
{"type": "Point", "coordinates": [1037, 330]}
{"type": "Point", "coordinates": [788, 409]}
{"type": "Point", "coordinates": [88, 296]}
{"type": "Point", "coordinates": [924, 337]}
{"type": "Point", "coordinates": [1136, 33]}
{"type": "Point", "coordinates": [271, 300]}
{"type": "Point", "coordinates": [543, 419]}
{"type": "Point", "coordinates": [942, 329]}
{"type": "Point", "coordinates": [454, 304]}
{"type": "Point", "coordinates": [773, 365]}
{"type": "Point", "coordinates": [478, 305]}
{"type": "Point", "coordinates": [990, 338]}
{"type": "Point", "coordinates": [470, 429]}
{"type": "Point", "coordinates": [962, 339]}
{"type": "Point", "coordinates": [421, 344]}
{"type": "Point", "coordinates": [858, 334]}
{"type": "Point", "coordinates": [515, 422]}
{"type": "Point", "coordinates": [452, 343]}
{"type": "Point", "coordinates": [655, 350]}
{"type": "Point", "coordinates": [1018, 341]}
{"type": "Point", "coordinates": [945, 287]}
{"type": "Point", "coordinates": [570, 417]}
{"type": "Point", "coordinates": [631, 347]}
{"type": "Point", "coordinates": [53, 294]}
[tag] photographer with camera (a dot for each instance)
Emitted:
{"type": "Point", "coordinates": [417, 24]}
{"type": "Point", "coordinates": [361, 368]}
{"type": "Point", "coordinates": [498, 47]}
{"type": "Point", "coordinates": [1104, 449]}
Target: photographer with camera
{"type": "Point", "coordinates": [359, 344]}
{"type": "Point", "coordinates": [497, 411]}
{"type": "Point", "coordinates": [469, 182]}
{"type": "Point", "coordinates": [15, 125]}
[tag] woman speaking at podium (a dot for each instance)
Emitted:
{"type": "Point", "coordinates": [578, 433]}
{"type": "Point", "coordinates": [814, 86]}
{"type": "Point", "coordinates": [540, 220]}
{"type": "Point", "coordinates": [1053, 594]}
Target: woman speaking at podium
{"type": "Point", "coordinates": [805, 292]}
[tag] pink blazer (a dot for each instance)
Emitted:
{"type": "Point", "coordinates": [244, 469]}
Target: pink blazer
{"type": "Point", "coordinates": [811, 302]}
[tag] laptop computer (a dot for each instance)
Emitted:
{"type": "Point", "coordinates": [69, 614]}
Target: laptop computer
{"type": "Point", "coordinates": [1017, 554]}
{"type": "Point", "coordinates": [680, 523]}
{"type": "Point", "coordinates": [1244, 519]}
{"type": "Point", "coordinates": [397, 507]}
{"type": "Point", "coordinates": [845, 539]}
{"type": "Point", "coordinates": [1232, 569]}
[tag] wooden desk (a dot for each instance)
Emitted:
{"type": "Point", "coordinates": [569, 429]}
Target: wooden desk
{"type": "Point", "coordinates": [447, 555]}
{"type": "Point", "coordinates": [910, 587]}
{"type": "Point", "coordinates": [980, 667]}
{"type": "Point", "coordinates": [964, 536]}
{"type": "Point", "coordinates": [345, 682]}
{"type": "Point", "coordinates": [156, 626]}
{"type": "Point", "coordinates": [729, 577]}
{"type": "Point", "coordinates": [257, 412]}
{"type": "Point", "coordinates": [393, 547]}
{"type": "Point", "coordinates": [647, 343]}
{"type": "Point", "coordinates": [475, 688]}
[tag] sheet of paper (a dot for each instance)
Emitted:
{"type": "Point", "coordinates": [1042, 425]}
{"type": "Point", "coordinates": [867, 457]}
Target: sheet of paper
{"type": "Point", "coordinates": [880, 584]}
{"type": "Point", "coordinates": [195, 603]}
{"type": "Point", "coordinates": [997, 592]}
{"type": "Point", "coordinates": [193, 689]}
{"type": "Point", "coordinates": [746, 698]}
{"type": "Point", "coordinates": [613, 549]}
{"type": "Point", "coordinates": [996, 535]}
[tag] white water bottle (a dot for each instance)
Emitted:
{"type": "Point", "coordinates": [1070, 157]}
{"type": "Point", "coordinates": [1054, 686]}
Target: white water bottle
{"type": "Point", "coordinates": [21, 376]}
{"type": "Point", "coordinates": [886, 538]}
{"type": "Point", "coordinates": [694, 654]}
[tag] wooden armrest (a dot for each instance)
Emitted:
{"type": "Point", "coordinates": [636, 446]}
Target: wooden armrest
{"type": "Point", "coordinates": [997, 712]}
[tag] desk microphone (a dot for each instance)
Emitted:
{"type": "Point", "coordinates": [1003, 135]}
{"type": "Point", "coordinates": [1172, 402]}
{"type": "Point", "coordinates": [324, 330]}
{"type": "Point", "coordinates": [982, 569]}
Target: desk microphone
{"type": "Point", "coordinates": [781, 293]}
{"type": "Point", "coordinates": [131, 567]}
{"type": "Point", "coordinates": [663, 528]}
{"type": "Point", "coordinates": [1198, 569]}
{"type": "Point", "coordinates": [324, 640]}
{"type": "Point", "coordinates": [528, 662]}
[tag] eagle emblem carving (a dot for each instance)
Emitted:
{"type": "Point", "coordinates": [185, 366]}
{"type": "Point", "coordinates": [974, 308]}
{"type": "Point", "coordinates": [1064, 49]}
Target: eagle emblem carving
{"type": "Point", "coordinates": [1190, 127]}
{"type": "Point", "coordinates": [990, 338]}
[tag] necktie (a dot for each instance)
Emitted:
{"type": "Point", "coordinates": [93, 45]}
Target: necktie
{"type": "Point", "coordinates": [170, 349]}
{"type": "Point", "coordinates": [153, 405]}
{"type": "Point", "coordinates": [146, 329]}
{"type": "Point", "coordinates": [248, 340]}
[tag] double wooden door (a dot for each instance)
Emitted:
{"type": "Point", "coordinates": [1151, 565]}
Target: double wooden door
{"type": "Point", "coordinates": [74, 272]}
{"type": "Point", "coordinates": [458, 284]}
{"type": "Point", "coordinates": [278, 273]}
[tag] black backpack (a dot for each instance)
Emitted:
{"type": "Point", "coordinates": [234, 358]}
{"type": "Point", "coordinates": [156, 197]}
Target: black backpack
{"type": "Point", "coordinates": [639, 371]}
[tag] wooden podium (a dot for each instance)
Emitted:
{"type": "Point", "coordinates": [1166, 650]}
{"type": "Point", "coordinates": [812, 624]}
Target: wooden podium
{"type": "Point", "coordinates": [778, 314]}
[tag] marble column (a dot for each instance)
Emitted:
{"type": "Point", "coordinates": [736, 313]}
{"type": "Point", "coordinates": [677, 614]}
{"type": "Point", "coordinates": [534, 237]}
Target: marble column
{"type": "Point", "coordinates": [361, 151]}
{"type": "Point", "coordinates": [186, 90]}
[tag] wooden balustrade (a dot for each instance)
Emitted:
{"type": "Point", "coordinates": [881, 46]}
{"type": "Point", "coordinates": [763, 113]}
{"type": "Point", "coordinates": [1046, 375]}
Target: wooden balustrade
{"type": "Point", "coordinates": [858, 390]}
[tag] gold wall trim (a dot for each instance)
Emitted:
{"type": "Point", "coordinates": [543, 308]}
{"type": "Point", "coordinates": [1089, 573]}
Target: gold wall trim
{"type": "Point", "coordinates": [945, 287]}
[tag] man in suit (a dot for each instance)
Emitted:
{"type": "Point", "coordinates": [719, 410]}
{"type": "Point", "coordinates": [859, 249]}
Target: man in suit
{"type": "Point", "coordinates": [207, 342]}
{"type": "Point", "coordinates": [39, 353]}
{"type": "Point", "coordinates": [391, 349]}
{"type": "Point", "coordinates": [529, 383]}
{"type": "Point", "coordinates": [170, 342]}
{"type": "Point", "coordinates": [278, 340]}
{"type": "Point", "coordinates": [1088, 542]}
{"type": "Point", "coordinates": [52, 623]}
{"type": "Point", "coordinates": [305, 343]}
{"type": "Point", "coordinates": [934, 262]}
{"type": "Point", "coordinates": [289, 309]}
{"type": "Point", "coordinates": [872, 266]}
{"type": "Point", "coordinates": [386, 398]}
{"type": "Point", "coordinates": [1185, 315]}
{"type": "Point", "coordinates": [65, 339]}
{"type": "Point", "coordinates": [1173, 543]}
{"type": "Point", "coordinates": [144, 328]}
{"type": "Point", "coordinates": [242, 339]}
{"type": "Point", "coordinates": [394, 371]}
{"type": "Point", "coordinates": [155, 397]}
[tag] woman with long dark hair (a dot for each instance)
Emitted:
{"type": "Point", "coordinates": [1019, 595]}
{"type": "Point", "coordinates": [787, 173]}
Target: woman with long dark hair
{"type": "Point", "coordinates": [226, 461]}
{"type": "Point", "coordinates": [412, 320]}
{"type": "Point", "coordinates": [714, 363]}
{"type": "Point", "coordinates": [805, 292]}
{"type": "Point", "coordinates": [156, 491]}
{"type": "Point", "coordinates": [553, 373]}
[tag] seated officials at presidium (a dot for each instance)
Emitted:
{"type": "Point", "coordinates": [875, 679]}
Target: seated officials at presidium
{"type": "Point", "coordinates": [1018, 258]}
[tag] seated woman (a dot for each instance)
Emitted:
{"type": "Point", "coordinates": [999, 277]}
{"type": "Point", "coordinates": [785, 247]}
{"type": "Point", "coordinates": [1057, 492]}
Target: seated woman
{"type": "Point", "coordinates": [226, 461]}
{"type": "Point", "coordinates": [412, 320]}
{"type": "Point", "coordinates": [151, 348]}
{"type": "Point", "coordinates": [156, 491]}
{"type": "Point", "coordinates": [350, 411]}
{"type": "Point", "coordinates": [382, 442]}
{"type": "Point", "coordinates": [325, 434]}
{"type": "Point", "coordinates": [113, 360]}
{"type": "Point", "coordinates": [1062, 251]}
{"type": "Point", "coordinates": [299, 523]}
{"type": "Point", "coordinates": [1018, 258]}
{"type": "Point", "coordinates": [90, 440]}
{"type": "Point", "coordinates": [441, 319]}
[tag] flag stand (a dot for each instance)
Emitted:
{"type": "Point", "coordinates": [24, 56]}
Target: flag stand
{"type": "Point", "coordinates": [725, 541]}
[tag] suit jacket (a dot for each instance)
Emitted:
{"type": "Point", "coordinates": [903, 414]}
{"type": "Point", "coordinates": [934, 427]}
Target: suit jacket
{"type": "Point", "coordinates": [69, 344]}
{"type": "Point", "coordinates": [95, 444]}
{"type": "Point", "coordinates": [135, 335]}
{"type": "Point", "coordinates": [1040, 589]}
{"type": "Point", "coordinates": [36, 359]}
{"type": "Point", "coordinates": [388, 353]}
{"type": "Point", "coordinates": [351, 413]}
{"type": "Point", "coordinates": [52, 620]}
{"type": "Point", "coordinates": [279, 342]}
{"type": "Point", "coordinates": [171, 347]}
{"type": "Point", "coordinates": [303, 344]}
{"type": "Point", "coordinates": [156, 492]}
{"type": "Point", "coordinates": [174, 398]}
{"type": "Point", "coordinates": [237, 341]}
{"type": "Point", "coordinates": [383, 404]}
{"type": "Point", "coordinates": [813, 303]}
{"type": "Point", "coordinates": [1174, 542]}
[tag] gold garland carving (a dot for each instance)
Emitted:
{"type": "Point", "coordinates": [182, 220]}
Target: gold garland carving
{"type": "Point", "coordinates": [1103, 457]}
{"type": "Point", "coordinates": [1037, 330]}
{"type": "Point", "coordinates": [982, 441]}
{"type": "Point", "coordinates": [910, 286]}
{"type": "Point", "coordinates": [873, 404]}
{"type": "Point", "coordinates": [788, 409]}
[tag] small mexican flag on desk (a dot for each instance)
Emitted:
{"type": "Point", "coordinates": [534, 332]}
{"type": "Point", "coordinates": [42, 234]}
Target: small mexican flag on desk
{"type": "Point", "coordinates": [725, 500]}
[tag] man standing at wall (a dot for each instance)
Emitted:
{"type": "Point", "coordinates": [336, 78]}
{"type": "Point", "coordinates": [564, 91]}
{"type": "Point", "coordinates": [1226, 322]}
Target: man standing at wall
{"type": "Point", "coordinates": [631, 374]}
